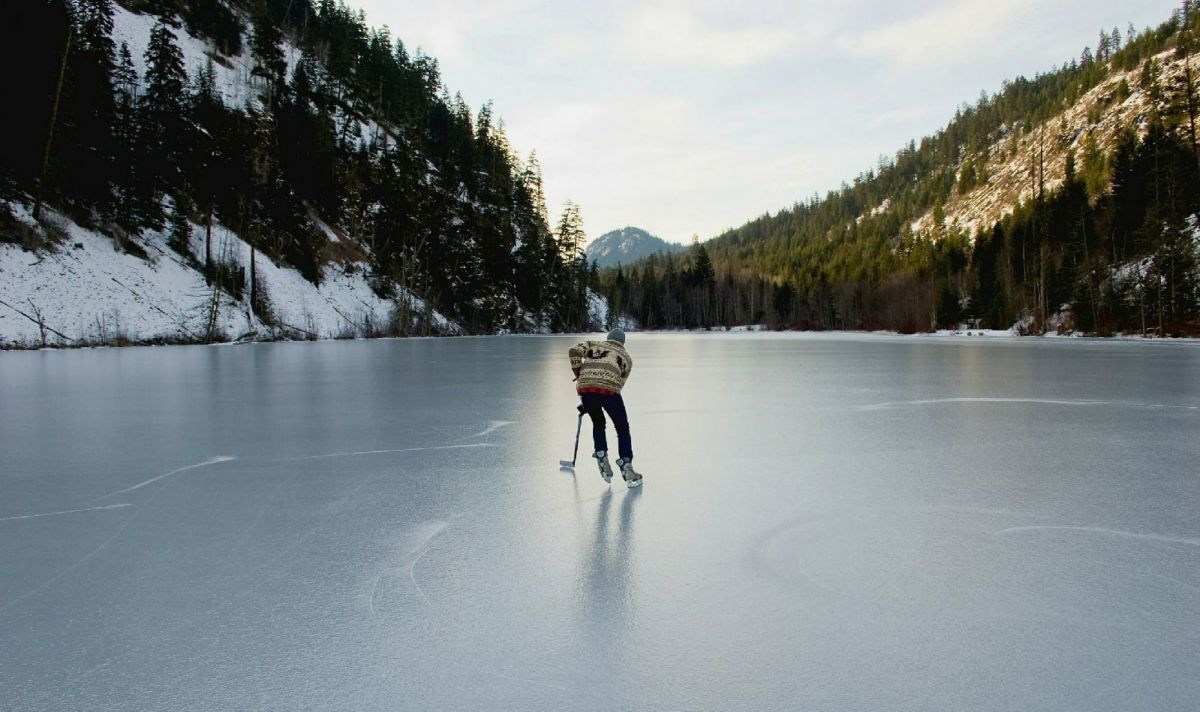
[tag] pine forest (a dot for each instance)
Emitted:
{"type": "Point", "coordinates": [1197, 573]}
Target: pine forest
{"type": "Point", "coordinates": [348, 132]}
{"type": "Point", "coordinates": [1108, 245]}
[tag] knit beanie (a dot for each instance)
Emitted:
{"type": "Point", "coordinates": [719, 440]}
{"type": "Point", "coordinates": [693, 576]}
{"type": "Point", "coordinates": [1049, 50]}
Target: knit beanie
{"type": "Point", "coordinates": [617, 335]}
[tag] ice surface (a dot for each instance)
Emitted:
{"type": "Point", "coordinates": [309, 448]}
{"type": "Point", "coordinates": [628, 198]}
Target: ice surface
{"type": "Point", "coordinates": [828, 522]}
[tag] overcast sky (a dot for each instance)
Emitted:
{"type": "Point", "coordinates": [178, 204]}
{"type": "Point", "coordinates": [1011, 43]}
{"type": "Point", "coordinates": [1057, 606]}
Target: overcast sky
{"type": "Point", "coordinates": [692, 117]}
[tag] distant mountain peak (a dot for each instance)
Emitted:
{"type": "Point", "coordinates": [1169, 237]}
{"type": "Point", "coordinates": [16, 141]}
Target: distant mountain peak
{"type": "Point", "coordinates": [627, 245]}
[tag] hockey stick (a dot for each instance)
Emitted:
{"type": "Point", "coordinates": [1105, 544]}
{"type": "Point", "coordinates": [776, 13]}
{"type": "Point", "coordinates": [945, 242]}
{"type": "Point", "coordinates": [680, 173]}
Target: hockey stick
{"type": "Point", "coordinates": [578, 428]}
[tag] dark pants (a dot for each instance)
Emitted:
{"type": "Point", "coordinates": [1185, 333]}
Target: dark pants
{"type": "Point", "coordinates": [596, 404]}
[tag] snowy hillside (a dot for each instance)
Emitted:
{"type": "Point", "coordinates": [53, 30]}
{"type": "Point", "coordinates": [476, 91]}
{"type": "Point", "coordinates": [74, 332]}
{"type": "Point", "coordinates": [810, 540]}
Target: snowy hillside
{"type": "Point", "coordinates": [626, 245]}
{"type": "Point", "coordinates": [72, 285]}
{"type": "Point", "coordinates": [85, 292]}
{"type": "Point", "coordinates": [233, 76]}
{"type": "Point", "coordinates": [1117, 104]}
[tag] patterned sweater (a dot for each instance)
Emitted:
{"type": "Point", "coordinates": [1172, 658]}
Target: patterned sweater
{"type": "Point", "coordinates": [600, 365]}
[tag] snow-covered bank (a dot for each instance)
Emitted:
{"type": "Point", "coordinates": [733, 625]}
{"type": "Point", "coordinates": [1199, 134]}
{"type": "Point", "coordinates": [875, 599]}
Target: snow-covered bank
{"type": "Point", "coordinates": [1012, 333]}
{"type": "Point", "coordinates": [86, 292]}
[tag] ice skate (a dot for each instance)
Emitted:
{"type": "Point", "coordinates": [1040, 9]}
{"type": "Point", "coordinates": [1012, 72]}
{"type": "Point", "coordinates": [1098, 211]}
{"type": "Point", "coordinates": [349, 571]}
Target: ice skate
{"type": "Point", "coordinates": [632, 478]}
{"type": "Point", "coordinates": [605, 468]}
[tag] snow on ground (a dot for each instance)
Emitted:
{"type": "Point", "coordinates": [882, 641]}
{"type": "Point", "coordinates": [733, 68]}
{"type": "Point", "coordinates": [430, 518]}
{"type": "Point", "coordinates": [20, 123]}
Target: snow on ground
{"type": "Point", "coordinates": [597, 308]}
{"type": "Point", "coordinates": [330, 233]}
{"type": "Point", "coordinates": [341, 306]}
{"type": "Point", "coordinates": [976, 332]}
{"type": "Point", "coordinates": [233, 82]}
{"type": "Point", "coordinates": [87, 292]}
{"type": "Point", "coordinates": [233, 76]}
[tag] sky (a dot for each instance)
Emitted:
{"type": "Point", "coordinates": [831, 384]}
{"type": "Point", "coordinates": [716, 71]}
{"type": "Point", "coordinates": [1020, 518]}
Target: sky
{"type": "Point", "coordinates": [689, 118]}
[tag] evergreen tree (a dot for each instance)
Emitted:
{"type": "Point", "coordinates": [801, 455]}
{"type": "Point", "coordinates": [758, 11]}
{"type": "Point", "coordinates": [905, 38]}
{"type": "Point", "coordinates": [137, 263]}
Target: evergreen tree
{"type": "Point", "coordinates": [90, 140]}
{"type": "Point", "coordinates": [703, 273]}
{"type": "Point", "coordinates": [571, 281]}
{"type": "Point", "coordinates": [570, 234]}
{"type": "Point", "coordinates": [214, 20]}
{"type": "Point", "coordinates": [265, 46]}
{"type": "Point", "coordinates": [533, 178]}
{"type": "Point", "coordinates": [168, 11]}
{"type": "Point", "coordinates": [536, 256]}
{"type": "Point", "coordinates": [163, 134]}
{"type": "Point", "coordinates": [180, 235]}
{"type": "Point", "coordinates": [209, 168]}
{"type": "Point", "coordinates": [1187, 101]}
{"type": "Point", "coordinates": [125, 142]}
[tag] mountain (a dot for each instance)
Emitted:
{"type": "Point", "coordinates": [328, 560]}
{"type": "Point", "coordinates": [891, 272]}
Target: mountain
{"type": "Point", "coordinates": [1068, 202]}
{"type": "Point", "coordinates": [262, 169]}
{"type": "Point", "coordinates": [626, 245]}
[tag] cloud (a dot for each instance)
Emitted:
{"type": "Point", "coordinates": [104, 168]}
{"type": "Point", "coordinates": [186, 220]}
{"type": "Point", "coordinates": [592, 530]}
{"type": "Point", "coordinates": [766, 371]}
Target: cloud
{"type": "Point", "coordinates": [675, 36]}
{"type": "Point", "coordinates": [631, 159]}
{"type": "Point", "coordinates": [959, 29]}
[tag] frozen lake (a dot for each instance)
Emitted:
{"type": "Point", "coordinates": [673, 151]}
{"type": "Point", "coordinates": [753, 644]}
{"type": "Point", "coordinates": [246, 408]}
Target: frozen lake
{"type": "Point", "coordinates": [829, 522]}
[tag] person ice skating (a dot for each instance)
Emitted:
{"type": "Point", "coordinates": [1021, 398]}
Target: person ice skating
{"type": "Point", "coordinates": [601, 369]}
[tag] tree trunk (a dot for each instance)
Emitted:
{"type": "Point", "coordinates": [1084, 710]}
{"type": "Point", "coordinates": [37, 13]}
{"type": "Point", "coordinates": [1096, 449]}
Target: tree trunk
{"type": "Point", "coordinates": [253, 283]}
{"type": "Point", "coordinates": [208, 268]}
{"type": "Point", "coordinates": [62, 73]}
{"type": "Point", "coordinates": [1189, 84]}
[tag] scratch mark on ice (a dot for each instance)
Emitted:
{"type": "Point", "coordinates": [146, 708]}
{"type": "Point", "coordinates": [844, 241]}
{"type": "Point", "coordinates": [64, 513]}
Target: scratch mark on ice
{"type": "Point", "coordinates": [492, 426]}
{"type": "Point", "coordinates": [435, 528]}
{"type": "Point", "coordinates": [1103, 530]}
{"type": "Point", "coordinates": [938, 401]}
{"type": "Point", "coordinates": [206, 463]}
{"type": "Point", "coordinates": [420, 551]}
{"type": "Point", "coordinates": [426, 534]}
{"type": "Point", "coordinates": [8, 604]}
{"type": "Point", "coordinates": [67, 511]}
{"type": "Point", "coordinates": [382, 452]}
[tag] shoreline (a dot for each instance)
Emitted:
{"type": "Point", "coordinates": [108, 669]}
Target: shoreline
{"type": "Point", "coordinates": [987, 334]}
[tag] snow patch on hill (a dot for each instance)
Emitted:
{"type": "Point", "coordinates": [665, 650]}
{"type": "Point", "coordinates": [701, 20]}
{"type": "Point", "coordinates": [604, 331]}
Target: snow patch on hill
{"type": "Point", "coordinates": [233, 76]}
{"type": "Point", "coordinates": [85, 291]}
{"type": "Point", "coordinates": [626, 245]}
{"type": "Point", "coordinates": [1012, 161]}
{"type": "Point", "coordinates": [597, 308]}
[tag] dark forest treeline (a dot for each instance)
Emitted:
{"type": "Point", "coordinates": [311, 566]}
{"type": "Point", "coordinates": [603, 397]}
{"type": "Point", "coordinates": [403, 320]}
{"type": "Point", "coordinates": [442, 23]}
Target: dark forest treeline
{"type": "Point", "coordinates": [1115, 243]}
{"type": "Point", "coordinates": [361, 134]}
